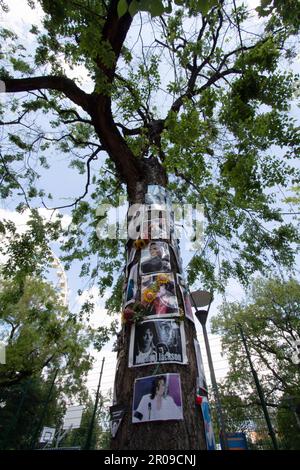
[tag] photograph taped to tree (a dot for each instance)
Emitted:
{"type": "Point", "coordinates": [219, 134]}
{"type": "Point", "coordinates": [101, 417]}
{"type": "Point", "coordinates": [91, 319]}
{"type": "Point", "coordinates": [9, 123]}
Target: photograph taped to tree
{"type": "Point", "coordinates": [157, 398]}
{"type": "Point", "coordinates": [155, 257]}
{"type": "Point", "coordinates": [201, 380]}
{"type": "Point", "coordinates": [130, 257]}
{"type": "Point", "coordinates": [116, 415]}
{"type": "Point", "coordinates": [156, 229]}
{"type": "Point", "coordinates": [209, 432]}
{"type": "Point", "coordinates": [175, 247]}
{"type": "Point", "coordinates": [156, 195]}
{"type": "Point", "coordinates": [135, 218]}
{"type": "Point", "coordinates": [132, 285]}
{"type": "Point", "coordinates": [159, 293]}
{"type": "Point", "coordinates": [157, 341]}
{"type": "Point", "coordinates": [185, 298]}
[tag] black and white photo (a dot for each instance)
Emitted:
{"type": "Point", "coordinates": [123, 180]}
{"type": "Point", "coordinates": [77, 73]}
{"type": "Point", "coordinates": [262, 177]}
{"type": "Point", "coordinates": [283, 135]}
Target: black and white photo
{"type": "Point", "coordinates": [157, 341]}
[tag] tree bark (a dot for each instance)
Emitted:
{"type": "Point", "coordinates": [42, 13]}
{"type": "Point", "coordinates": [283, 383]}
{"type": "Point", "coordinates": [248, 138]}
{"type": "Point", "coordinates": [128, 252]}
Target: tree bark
{"type": "Point", "coordinates": [157, 435]}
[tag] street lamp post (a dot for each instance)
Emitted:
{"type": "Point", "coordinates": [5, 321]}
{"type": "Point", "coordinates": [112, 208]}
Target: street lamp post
{"type": "Point", "coordinates": [200, 299]}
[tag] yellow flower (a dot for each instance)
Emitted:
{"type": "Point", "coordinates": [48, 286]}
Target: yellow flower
{"type": "Point", "coordinates": [181, 314]}
{"type": "Point", "coordinates": [162, 279]}
{"type": "Point", "coordinates": [148, 296]}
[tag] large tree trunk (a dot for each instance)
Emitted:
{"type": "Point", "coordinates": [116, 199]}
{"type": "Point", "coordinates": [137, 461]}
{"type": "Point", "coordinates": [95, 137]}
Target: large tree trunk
{"type": "Point", "coordinates": [155, 435]}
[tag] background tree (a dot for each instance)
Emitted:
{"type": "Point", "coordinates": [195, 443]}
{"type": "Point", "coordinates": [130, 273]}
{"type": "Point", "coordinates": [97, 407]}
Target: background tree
{"type": "Point", "coordinates": [226, 103]}
{"type": "Point", "coordinates": [22, 405]}
{"type": "Point", "coordinates": [270, 321]}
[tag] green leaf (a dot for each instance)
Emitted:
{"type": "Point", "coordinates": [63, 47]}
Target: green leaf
{"type": "Point", "coordinates": [205, 5]}
{"type": "Point", "coordinates": [122, 8]}
{"type": "Point", "coordinates": [134, 7]}
{"type": "Point", "coordinates": [156, 8]}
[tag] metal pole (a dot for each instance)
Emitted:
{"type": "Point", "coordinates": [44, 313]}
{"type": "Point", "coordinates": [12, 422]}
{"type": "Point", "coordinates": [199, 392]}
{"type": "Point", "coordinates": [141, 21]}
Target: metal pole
{"type": "Point", "coordinates": [91, 427]}
{"type": "Point", "coordinates": [216, 391]}
{"type": "Point", "coordinates": [220, 416]}
{"type": "Point", "coordinates": [38, 428]}
{"type": "Point", "coordinates": [259, 391]}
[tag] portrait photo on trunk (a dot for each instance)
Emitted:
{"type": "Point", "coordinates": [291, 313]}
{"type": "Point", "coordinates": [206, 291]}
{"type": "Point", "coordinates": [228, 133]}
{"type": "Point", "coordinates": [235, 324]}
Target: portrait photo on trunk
{"type": "Point", "coordinates": [155, 257]}
{"type": "Point", "coordinates": [135, 220]}
{"type": "Point", "coordinates": [157, 398]}
{"type": "Point", "coordinates": [156, 195]}
{"type": "Point", "coordinates": [157, 341]}
{"type": "Point", "coordinates": [156, 229]}
{"type": "Point", "coordinates": [175, 247]}
{"type": "Point", "coordinates": [158, 293]}
{"type": "Point", "coordinates": [132, 285]}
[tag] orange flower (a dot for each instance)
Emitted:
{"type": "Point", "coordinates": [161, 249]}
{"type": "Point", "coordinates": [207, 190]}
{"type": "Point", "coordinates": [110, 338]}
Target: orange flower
{"type": "Point", "coordinates": [149, 296]}
{"type": "Point", "coordinates": [162, 278]}
{"type": "Point", "coordinates": [139, 244]}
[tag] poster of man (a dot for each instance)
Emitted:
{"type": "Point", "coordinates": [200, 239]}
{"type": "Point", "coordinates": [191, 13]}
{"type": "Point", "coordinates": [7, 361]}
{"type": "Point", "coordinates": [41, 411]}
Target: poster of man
{"type": "Point", "coordinates": [157, 341]}
{"type": "Point", "coordinates": [157, 398]}
{"type": "Point", "coordinates": [186, 298]}
{"type": "Point", "coordinates": [155, 258]}
{"type": "Point", "coordinates": [164, 301]}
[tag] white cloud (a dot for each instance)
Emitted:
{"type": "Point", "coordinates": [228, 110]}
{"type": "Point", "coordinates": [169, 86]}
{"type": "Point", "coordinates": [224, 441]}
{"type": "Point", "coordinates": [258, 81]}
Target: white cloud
{"type": "Point", "coordinates": [21, 219]}
{"type": "Point", "coordinates": [99, 317]}
{"type": "Point", "coordinates": [20, 17]}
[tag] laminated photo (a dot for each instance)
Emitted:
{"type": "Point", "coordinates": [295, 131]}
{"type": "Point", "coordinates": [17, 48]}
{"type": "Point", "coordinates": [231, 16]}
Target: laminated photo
{"type": "Point", "coordinates": [155, 229]}
{"type": "Point", "coordinates": [155, 258]}
{"type": "Point", "coordinates": [157, 398]}
{"type": "Point", "coordinates": [160, 297]}
{"type": "Point", "coordinates": [116, 415]}
{"type": "Point", "coordinates": [132, 286]}
{"type": "Point", "coordinates": [201, 382]}
{"type": "Point", "coordinates": [135, 221]}
{"type": "Point", "coordinates": [209, 432]}
{"type": "Point", "coordinates": [157, 341]}
{"type": "Point", "coordinates": [130, 257]}
{"type": "Point", "coordinates": [156, 195]}
{"type": "Point", "coordinates": [175, 248]}
{"type": "Point", "coordinates": [185, 298]}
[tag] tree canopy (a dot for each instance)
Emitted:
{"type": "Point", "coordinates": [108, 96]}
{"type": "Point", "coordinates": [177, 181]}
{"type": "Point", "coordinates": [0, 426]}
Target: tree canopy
{"type": "Point", "coordinates": [270, 322]}
{"type": "Point", "coordinates": [39, 332]}
{"type": "Point", "coordinates": [195, 92]}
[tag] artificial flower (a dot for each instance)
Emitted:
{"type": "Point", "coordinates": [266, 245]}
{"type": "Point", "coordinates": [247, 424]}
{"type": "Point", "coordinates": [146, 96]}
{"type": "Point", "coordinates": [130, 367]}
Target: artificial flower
{"type": "Point", "coordinates": [140, 243]}
{"type": "Point", "coordinates": [149, 296]}
{"type": "Point", "coordinates": [162, 278]}
{"type": "Point", "coordinates": [198, 400]}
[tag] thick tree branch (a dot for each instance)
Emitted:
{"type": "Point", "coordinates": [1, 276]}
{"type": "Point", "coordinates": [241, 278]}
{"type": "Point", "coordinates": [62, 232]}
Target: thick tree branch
{"type": "Point", "coordinates": [114, 31]}
{"type": "Point", "coordinates": [63, 84]}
